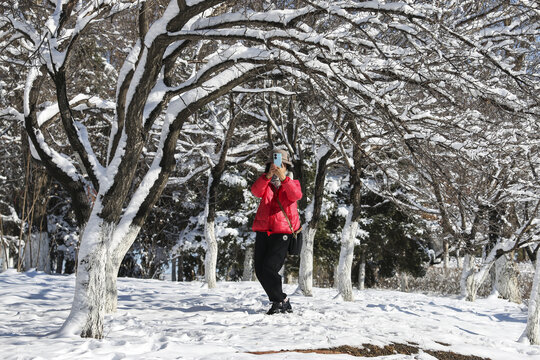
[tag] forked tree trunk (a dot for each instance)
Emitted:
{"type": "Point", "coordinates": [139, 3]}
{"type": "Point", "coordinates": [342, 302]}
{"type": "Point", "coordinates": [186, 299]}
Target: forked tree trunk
{"type": "Point", "coordinates": [346, 255]}
{"type": "Point", "coordinates": [472, 278]}
{"type": "Point", "coordinates": [248, 264]}
{"type": "Point", "coordinates": [305, 272]}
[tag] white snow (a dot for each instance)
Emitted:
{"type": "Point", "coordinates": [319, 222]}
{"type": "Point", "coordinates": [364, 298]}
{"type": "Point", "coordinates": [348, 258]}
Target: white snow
{"type": "Point", "coordinates": [166, 320]}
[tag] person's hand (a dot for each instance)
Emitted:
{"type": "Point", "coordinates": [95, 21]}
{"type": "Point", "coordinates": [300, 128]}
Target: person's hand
{"type": "Point", "coordinates": [271, 171]}
{"type": "Point", "coordinates": [280, 171]}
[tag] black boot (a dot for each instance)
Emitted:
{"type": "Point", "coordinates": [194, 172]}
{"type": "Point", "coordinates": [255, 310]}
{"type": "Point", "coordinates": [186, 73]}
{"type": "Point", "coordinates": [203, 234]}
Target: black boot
{"type": "Point", "coordinates": [277, 307]}
{"type": "Point", "coordinates": [286, 306]}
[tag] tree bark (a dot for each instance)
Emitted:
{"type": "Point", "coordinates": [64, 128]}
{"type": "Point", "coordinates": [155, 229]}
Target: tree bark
{"type": "Point", "coordinates": [36, 255]}
{"type": "Point", "coordinates": [116, 251]}
{"type": "Point", "coordinates": [88, 308]}
{"type": "Point", "coordinates": [446, 255]}
{"type": "Point", "coordinates": [248, 264]}
{"type": "Point", "coordinates": [210, 260]}
{"type": "Point", "coordinates": [211, 198]}
{"type": "Point", "coordinates": [4, 252]}
{"type": "Point", "coordinates": [348, 235]}
{"type": "Point", "coordinates": [305, 273]}
{"type": "Point", "coordinates": [346, 255]}
{"type": "Point", "coordinates": [173, 269]}
{"type": "Point", "coordinates": [111, 289]}
{"type": "Point", "coordinates": [472, 278]}
{"type": "Point", "coordinates": [59, 262]}
{"type": "Point", "coordinates": [38, 247]}
{"type": "Point", "coordinates": [313, 214]}
{"type": "Point", "coordinates": [404, 282]}
{"type": "Point", "coordinates": [362, 271]}
{"type": "Point", "coordinates": [506, 280]}
{"type": "Point", "coordinates": [180, 267]}
{"type": "Point", "coordinates": [459, 259]}
{"type": "Point", "coordinates": [532, 330]}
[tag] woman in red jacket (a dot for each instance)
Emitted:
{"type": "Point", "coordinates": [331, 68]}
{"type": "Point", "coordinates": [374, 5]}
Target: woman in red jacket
{"type": "Point", "coordinates": [273, 230]}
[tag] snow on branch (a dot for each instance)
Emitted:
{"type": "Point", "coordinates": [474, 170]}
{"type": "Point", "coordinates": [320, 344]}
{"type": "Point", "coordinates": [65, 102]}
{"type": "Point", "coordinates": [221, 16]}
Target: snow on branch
{"type": "Point", "coordinates": [275, 89]}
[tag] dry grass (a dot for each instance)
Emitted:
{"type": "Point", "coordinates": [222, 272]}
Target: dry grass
{"type": "Point", "coordinates": [368, 350]}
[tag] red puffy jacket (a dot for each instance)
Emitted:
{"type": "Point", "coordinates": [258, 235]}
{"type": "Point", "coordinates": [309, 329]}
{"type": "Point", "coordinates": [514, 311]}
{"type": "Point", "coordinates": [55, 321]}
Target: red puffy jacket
{"type": "Point", "coordinates": [269, 216]}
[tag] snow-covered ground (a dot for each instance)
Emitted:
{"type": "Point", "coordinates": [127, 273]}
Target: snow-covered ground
{"type": "Point", "coordinates": [165, 320]}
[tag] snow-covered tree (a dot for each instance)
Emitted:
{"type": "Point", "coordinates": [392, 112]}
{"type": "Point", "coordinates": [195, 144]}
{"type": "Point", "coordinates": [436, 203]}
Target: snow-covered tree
{"type": "Point", "coordinates": [367, 56]}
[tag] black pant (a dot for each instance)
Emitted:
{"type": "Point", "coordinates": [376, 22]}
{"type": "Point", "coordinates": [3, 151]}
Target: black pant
{"type": "Point", "coordinates": [270, 253]}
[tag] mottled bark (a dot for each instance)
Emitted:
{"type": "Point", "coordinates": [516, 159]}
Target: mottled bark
{"type": "Point", "coordinates": [348, 235]}
{"type": "Point", "coordinates": [305, 273]}
{"type": "Point", "coordinates": [532, 330]}
{"type": "Point", "coordinates": [248, 264]}
{"type": "Point", "coordinates": [472, 277]}
{"type": "Point", "coordinates": [346, 255]}
{"type": "Point", "coordinates": [88, 308]}
{"type": "Point", "coordinates": [210, 260]}
{"type": "Point", "coordinates": [505, 281]}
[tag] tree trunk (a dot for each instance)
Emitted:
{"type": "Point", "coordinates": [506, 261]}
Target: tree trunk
{"type": "Point", "coordinates": [346, 255]}
{"type": "Point", "coordinates": [467, 284]}
{"type": "Point", "coordinates": [348, 235]}
{"type": "Point", "coordinates": [459, 259]}
{"type": "Point", "coordinates": [532, 331]}
{"type": "Point", "coordinates": [446, 255]}
{"type": "Point", "coordinates": [362, 272]}
{"type": "Point", "coordinates": [4, 250]}
{"type": "Point", "coordinates": [180, 267]}
{"type": "Point", "coordinates": [404, 282]}
{"type": "Point", "coordinates": [88, 309]}
{"type": "Point", "coordinates": [210, 260]}
{"type": "Point", "coordinates": [59, 262]}
{"type": "Point", "coordinates": [305, 272]}
{"type": "Point", "coordinates": [115, 255]}
{"type": "Point", "coordinates": [472, 278]}
{"type": "Point", "coordinates": [336, 277]}
{"type": "Point", "coordinates": [173, 269]}
{"type": "Point", "coordinates": [248, 264]}
{"type": "Point", "coordinates": [36, 255]}
{"type": "Point", "coordinates": [313, 213]}
{"type": "Point", "coordinates": [111, 288]}
{"type": "Point", "coordinates": [506, 280]}
{"type": "Point", "coordinates": [3, 255]}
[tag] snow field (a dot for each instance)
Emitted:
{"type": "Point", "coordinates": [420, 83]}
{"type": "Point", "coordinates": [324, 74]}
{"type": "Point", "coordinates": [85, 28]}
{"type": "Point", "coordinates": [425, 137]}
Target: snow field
{"type": "Point", "coordinates": [166, 320]}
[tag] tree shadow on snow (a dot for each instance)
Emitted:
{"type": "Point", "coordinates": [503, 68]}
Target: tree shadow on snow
{"type": "Point", "coordinates": [128, 302]}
